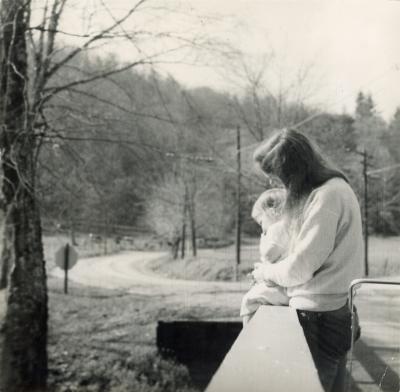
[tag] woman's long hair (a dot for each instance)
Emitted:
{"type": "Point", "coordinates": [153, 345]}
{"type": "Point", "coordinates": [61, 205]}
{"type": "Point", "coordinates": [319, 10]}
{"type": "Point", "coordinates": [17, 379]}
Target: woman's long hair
{"type": "Point", "coordinates": [296, 161]}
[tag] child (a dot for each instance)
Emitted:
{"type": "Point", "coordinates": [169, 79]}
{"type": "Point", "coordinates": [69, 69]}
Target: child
{"type": "Point", "coordinates": [273, 247]}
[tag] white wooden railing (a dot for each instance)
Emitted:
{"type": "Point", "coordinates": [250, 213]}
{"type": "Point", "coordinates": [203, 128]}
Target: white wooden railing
{"type": "Point", "coordinates": [269, 355]}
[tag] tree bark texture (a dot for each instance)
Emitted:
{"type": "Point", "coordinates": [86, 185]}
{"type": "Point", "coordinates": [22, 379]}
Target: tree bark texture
{"type": "Point", "coordinates": [23, 357]}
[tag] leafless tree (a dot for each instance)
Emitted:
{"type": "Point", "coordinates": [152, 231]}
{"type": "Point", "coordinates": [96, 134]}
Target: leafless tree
{"type": "Point", "coordinates": [272, 95]}
{"type": "Point", "coordinates": [31, 57]}
{"type": "Point", "coordinates": [23, 356]}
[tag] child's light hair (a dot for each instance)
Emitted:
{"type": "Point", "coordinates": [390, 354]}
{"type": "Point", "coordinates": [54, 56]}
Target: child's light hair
{"type": "Point", "coordinates": [270, 203]}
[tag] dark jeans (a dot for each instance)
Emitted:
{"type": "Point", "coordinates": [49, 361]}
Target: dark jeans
{"type": "Point", "coordinates": [328, 335]}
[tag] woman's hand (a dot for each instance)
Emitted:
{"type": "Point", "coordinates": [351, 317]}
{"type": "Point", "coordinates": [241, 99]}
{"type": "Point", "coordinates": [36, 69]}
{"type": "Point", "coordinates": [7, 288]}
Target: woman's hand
{"type": "Point", "coordinates": [260, 274]}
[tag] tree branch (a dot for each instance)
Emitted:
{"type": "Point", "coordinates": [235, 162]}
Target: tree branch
{"type": "Point", "coordinates": [55, 90]}
{"type": "Point", "coordinates": [97, 37]}
{"type": "Point", "coordinates": [120, 107]}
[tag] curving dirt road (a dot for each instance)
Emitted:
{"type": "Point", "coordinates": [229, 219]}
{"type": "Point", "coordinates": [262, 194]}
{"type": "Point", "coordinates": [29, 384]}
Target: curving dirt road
{"type": "Point", "coordinates": [129, 271]}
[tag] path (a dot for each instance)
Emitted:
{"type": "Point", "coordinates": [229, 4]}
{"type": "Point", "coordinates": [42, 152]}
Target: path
{"type": "Point", "coordinates": [130, 271]}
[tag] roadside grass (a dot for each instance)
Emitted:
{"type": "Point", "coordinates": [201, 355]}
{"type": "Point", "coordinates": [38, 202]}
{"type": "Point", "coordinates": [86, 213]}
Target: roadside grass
{"type": "Point", "coordinates": [208, 265]}
{"type": "Point", "coordinates": [218, 264]}
{"type": "Point", "coordinates": [384, 256]}
{"type": "Point", "coordinates": [104, 340]}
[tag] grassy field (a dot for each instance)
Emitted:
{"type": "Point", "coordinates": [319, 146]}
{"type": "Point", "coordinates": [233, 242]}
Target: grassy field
{"type": "Point", "coordinates": [104, 340]}
{"type": "Point", "coordinates": [217, 264]}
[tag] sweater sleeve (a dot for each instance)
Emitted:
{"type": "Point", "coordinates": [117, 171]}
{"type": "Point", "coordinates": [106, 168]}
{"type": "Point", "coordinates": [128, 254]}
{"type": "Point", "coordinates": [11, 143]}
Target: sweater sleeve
{"type": "Point", "coordinates": [313, 245]}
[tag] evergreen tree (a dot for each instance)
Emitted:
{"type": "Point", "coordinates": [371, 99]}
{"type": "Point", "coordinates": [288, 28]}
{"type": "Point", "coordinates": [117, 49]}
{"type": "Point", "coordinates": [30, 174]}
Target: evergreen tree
{"type": "Point", "coordinates": [365, 106]}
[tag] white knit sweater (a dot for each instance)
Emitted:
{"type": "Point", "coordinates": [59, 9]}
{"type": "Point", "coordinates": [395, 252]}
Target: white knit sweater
{"type": "Point", "coordinates": [326, 251]}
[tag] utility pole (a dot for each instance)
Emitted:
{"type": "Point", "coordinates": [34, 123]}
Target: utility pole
{"type": "Point", "coordinates": [238, 215]}
{"type": "Point", "coordinates": [66, 267]}
{"type": "Point", "coordinates": [365, 157]}
{"type": "Point", "coordinates": [366, 227]}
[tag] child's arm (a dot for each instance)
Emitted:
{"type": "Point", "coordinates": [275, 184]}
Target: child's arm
{"type": "Point", "coordinates": [270, 252]}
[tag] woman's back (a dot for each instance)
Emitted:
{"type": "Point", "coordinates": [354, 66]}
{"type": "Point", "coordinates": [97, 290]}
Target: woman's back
{"type": "Point", "coordinates": [330, 230]}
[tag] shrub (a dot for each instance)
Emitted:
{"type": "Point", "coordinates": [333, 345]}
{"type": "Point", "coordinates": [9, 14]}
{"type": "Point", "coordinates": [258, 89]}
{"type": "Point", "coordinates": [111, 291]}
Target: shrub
{"type": "Point", "coordinates": [146, 373]}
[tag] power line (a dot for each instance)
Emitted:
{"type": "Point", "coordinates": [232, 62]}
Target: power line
{"type": "Point", "coordinates": [383, 169]}
{"type": "Point", "coordinates": [167, 153]}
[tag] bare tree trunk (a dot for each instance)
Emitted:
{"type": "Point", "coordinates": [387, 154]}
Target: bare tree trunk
{"type": "Point", "coordinates": [175, 247]}
{"type": "Point", "coordinates": [5, 267]}
{"type": "Point", "coordinates": [23, 354]}
{"type": "Point", "coordinates": [185, 208]}
{"type": "Point", "coordinates": [105, 235]}
{"type": "Point", "coordinates": [192, 218]}
{"type": "Point", "coordinates": [183, 243]}
{"type": "Point", "coordinates": [3, 274]}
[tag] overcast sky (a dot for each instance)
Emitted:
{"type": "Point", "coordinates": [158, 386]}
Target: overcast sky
{"type": "Point", "coordinates": [351, 44]}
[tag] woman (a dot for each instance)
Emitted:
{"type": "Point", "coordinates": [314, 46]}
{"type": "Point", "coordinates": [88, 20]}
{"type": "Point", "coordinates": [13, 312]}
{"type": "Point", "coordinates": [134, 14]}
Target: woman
{"type": "Point", "coordinates": [325, 251]}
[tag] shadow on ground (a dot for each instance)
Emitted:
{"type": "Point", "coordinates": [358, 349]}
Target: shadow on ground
{"type": "Point", "coordinates": [382, 375]}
